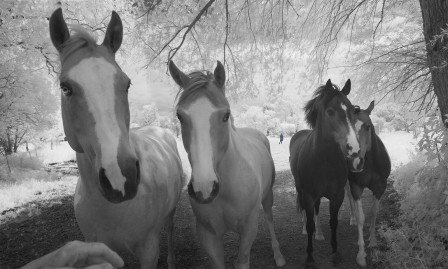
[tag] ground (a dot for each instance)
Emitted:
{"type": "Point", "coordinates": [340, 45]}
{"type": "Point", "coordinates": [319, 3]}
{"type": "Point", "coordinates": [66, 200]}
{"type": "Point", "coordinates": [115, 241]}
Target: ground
{"type": "Point", "coordinates": [51, 223]}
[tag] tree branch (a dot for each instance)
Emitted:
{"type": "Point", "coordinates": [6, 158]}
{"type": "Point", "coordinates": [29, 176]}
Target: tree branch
{"type": "Point", "coordinates": [188, 28]}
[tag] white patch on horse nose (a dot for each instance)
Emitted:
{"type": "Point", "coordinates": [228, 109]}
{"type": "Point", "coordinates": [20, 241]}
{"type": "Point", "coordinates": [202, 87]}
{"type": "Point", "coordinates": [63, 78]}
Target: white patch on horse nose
{"type": "Point", "coordinates": [352, 139]}
{"type": "Point", "coordinates": [96, 76]}
{"type": "Point", "coordinates": [356, 162]}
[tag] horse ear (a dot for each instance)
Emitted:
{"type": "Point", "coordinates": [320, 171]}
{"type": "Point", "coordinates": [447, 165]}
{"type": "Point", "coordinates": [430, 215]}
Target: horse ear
{"type": "Point", "coordinates": [329, 85]}
{"type": "Point", "coordinates": [370, 108]}
{"type": "Point", "coordinates": [347, 87]}
{"type": "Point", "coordinates": [220, 74]}
{"type": "Point", "coordinates": [179, 77]}
{"type": "Point", "coordinates": [58, 29]}
{"type": "Point", "coordinates": [114, 33]}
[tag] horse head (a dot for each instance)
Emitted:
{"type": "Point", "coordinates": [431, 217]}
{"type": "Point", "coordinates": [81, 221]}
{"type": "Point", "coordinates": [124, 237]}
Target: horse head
{"type": "Point", "coordinates": [364, 128]}
{"type": "Point", "coordinates": [204, 113]}
{"type": "Point", "coordinates": [94, 104]}
{"type": "Point", "coordinates": [332, 114]}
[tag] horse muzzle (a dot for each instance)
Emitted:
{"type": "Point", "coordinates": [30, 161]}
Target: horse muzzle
{"type": "Point", "coordinates": [198, 196]}
{"type": "Point", "coordinates": [356, 163]}
{"type": "Point", "coordinates": [132, 176]}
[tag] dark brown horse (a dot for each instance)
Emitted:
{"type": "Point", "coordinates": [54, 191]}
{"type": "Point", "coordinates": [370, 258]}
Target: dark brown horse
{"type": "Point", "coordinates": [319, 157]}
{"type": "Point", "coordinates": [374, 176]}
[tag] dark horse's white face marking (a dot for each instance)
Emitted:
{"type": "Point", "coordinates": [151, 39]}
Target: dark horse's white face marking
{"type": "Point", "coordinates": [204, 114]}
{"type": "Point", "coordinates": [95, 107]}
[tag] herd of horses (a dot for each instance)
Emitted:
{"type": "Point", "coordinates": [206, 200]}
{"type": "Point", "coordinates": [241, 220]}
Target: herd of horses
{"type": "Point", "coordinates": [131, 179]}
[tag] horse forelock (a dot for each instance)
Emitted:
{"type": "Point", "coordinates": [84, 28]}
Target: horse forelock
{"type": "Point", "coordinates": [200, 82]}
{"type": "Point", "coordinates": [79, 38]}
{"type": "Point", "coordinates": [321, 98]}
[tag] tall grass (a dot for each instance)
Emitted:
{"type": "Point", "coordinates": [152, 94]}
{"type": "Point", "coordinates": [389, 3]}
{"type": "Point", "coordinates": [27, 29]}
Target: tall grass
{"type": "Point", "coordinates": [28, 181]}
{"type": "Point", "coordinates": [419, 238]}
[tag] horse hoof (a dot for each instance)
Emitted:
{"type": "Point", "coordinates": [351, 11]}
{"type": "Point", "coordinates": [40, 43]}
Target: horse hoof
{"type": "Point", "coordinates": [280, 261]}
{"type": "Point", "coordinates": [361, 261]}
{"type": "Point", "coordinates": [320, 237]}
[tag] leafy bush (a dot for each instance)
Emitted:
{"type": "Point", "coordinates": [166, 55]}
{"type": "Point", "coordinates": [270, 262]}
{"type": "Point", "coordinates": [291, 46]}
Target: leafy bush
{"type": "Point", "coordinates": [421, 239]}
{"type": "Point", "coordinates": [22, 160]}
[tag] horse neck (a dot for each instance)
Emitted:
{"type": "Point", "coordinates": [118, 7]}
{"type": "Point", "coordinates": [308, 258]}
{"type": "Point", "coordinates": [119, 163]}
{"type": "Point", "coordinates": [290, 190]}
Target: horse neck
{"type": "Point", "coordinates": [378, 153]}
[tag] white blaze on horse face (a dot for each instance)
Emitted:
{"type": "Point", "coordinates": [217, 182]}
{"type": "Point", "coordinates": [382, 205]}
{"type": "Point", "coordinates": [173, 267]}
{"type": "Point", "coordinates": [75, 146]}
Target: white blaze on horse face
{"type": "Point", "coordinates": [358, 126]}
{"type": "Point", "coordinates": [352, 139]}
{"type": "Point", "coordinates": [96, 76]}
{"type": "Point", "coordinates": [201, 150]}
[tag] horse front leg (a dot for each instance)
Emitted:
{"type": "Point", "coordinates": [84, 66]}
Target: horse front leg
{"type": "Point", "coordinates": [310, 227]}
{"type": "Point", "coordinates": [247, 237]}
{"type": "Point", "coordinates": [319, 234]}
{"type": "Point", "coordinates": [352, 204]}
{"type": "Point", "coordinates": [360, 218]}
{"type": "Point", "coordinates": [375, 208]}
{"type": "Point", "coordinates": [212, 243]}
{"type": "Point", "coordinates": [170, 230]}
{"type": "Point", "coordinates": [148, 254]}
{"type": "Point", "coordinates": [335, 205]}
{"type": "Point", "coordinates": [267, 206]}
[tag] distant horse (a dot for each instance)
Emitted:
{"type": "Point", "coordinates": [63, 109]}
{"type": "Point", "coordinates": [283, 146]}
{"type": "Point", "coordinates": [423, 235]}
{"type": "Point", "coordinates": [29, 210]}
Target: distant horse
{"type": "Point", "coordinates": [130, 180]}
{"type": "Point", "coordinates": [374, 176]}
{"type": "Point", "coordinates": [319, 157]}
{"type": "Point", "coordinates": [232, 168]}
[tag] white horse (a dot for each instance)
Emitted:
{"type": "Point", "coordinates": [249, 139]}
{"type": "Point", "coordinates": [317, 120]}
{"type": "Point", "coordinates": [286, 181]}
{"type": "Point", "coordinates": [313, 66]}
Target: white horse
{"type": "Point", "coordinates": [232, 168]}
{"type": "Point", "coordinates": [130, 180]}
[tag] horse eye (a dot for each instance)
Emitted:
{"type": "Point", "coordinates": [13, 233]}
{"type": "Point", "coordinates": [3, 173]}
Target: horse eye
{"type": "Point", "coordinates": [367, 126]}
{"type": "Point", "coordinates": [330, 112]}
{"type": "Point", "coordinates": [66, 90]}
{"type": "Point", "coordinates": [226, 117]}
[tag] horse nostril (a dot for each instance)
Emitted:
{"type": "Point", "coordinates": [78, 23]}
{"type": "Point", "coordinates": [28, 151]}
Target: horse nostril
{"type": "Point", "coordinates": [104, 181]}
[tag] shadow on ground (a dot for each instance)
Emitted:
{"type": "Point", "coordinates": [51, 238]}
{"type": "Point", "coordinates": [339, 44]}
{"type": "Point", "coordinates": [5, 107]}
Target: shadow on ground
{"type": "Point", "coordinates": [33, 237]}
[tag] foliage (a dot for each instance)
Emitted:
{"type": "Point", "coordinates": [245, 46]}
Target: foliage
{"type": "Point", "coordinates": [272, 118]}
{"type": "Point", "coordinates": [27, 105]}
{"type": "Point", "coordinates": [421, 239]}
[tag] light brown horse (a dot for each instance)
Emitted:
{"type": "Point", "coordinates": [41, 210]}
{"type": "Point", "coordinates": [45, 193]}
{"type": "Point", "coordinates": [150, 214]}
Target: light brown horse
{"type": "Point", "coordinates": [130, 180]}
{"type": "Point", "coordinates": [232, 168]}
{"type": "Point", "coordinates": [374, 177]}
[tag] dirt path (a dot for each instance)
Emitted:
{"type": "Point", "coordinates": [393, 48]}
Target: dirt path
{"type": "Point", "coordinates": [38, 235]}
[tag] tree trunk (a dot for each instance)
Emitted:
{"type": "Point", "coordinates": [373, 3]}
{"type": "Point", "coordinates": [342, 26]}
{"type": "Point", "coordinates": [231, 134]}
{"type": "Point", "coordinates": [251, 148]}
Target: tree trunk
{"type": "Point", "coordinates": [435, 17]}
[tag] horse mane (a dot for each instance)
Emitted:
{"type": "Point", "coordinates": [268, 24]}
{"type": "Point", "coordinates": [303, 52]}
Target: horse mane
{"type": "Point", "coordinates": [321, 98]}
{"type": "Point", "coordinates": [79, 38]}
{"type": "Point", "coordinates": [199, 80]}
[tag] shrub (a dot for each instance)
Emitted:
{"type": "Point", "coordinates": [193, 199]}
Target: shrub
{"type": "Point", "coordinates": [22, 160]}
{"type": "Point", "coordinates": [421, 239]}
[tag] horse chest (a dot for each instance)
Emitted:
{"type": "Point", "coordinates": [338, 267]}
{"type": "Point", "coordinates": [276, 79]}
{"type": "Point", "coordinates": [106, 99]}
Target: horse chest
{"type": "Point", "coordinates": [118, 225]}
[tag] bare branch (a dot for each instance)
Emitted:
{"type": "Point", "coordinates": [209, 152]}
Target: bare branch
{"type": "Point", "coordinates": [187, 28]}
